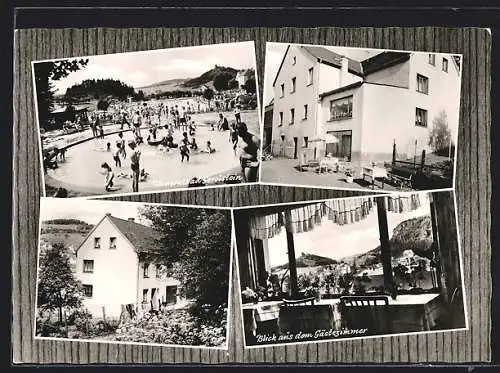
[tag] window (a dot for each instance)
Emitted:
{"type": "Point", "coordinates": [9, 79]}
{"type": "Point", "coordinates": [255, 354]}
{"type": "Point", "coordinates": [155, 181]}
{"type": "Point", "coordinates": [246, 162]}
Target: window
{"type": "Point", "coordinates": [97, 242]}
{"type": "Point", "coordinates": [421, 117]}
{"type": "Point", "coordinates": [445, 65]}
{"type": "Point", "coordinates": [146, 270]}
{"type": "Point", "coordinates": [88, 266]}
{"type": "Point", "coordinates": [282, 90]}
{"type": "Point", "coordinates": [292, 116]}
{"type": "Point", "coordinates": [306, 141]}
{"type": "Point", "coordinates": [88, 290]}
{"type": "Point", "coordinates": [341, 108]}
{"type": "Point", "coordinates": [144, 295]}
{"type": "Point", "coordinates": [158, 271]}
{"type": "Point", "coordinates": [294, 60]}
{"type": "Point", "coordinates": [293, 85]}
{"type": "Point", "coordinates": [112, 242]}
{"type": "Point", "coordinates": [310, 76]}
{"type": "Point", "coordinates": [432, 59]}
{"type": "Point", "coordinates": [422, 84]}
{"type": "Point", "coordinates": [281, 118]}
{"type": "Point", "coordinates": [305, 112]}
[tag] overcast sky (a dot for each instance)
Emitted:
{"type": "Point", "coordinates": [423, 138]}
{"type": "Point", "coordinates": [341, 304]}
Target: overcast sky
{"type": "Point", "coordinates": [276, 51]}
{"type": "Point", "coordinates": [338, 241]}
{"type": "Point", "coordinates": [144, 68]}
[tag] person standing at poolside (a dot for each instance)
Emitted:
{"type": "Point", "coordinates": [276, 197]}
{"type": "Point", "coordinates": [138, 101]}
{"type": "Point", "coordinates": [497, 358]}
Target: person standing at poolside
{"type": "Point", "coordinates": [248, 152]}
{"type": "Point", "coordinates": [135, 157]}
{"type": "Point", "coordinates": [137, 124]}
{"type": "Point", "coordinates": [237, 113]}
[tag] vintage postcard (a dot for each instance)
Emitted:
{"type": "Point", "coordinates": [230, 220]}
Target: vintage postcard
{"type": "Point", "coordinates": [125, 272]}
{"type": "Point", "coordinates": [352, 118]}
{"type": "Point", "coordinates": [358, 267]}
{"type": "Point", "coordinates": [148, 121]}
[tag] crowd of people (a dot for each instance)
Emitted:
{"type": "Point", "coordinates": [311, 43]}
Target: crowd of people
{"type": "Point", "coordinates": [160, 124]}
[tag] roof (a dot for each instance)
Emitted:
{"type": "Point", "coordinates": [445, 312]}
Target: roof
{"type": "Point", "coordinates": [361, 68]}
{"type": "Point", "coordinates": [142, 237]}
{"type": "Point", "coordinates": [341, 89]}
{"type": "Point", "coordinates": [333, 59]}
{"type": "Point", "coordinates": [382, 61]}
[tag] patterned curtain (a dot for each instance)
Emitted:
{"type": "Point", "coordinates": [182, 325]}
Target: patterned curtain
{"type": "Point", "coordinates": [339, 211]}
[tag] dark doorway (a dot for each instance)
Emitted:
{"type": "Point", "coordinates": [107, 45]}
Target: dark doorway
{"type": "Point", "coordinates": [343, 148]}
{"type": "Point", "coordinates": [295, 146]}
{"type": "Point", "coordinates": [171, 295]}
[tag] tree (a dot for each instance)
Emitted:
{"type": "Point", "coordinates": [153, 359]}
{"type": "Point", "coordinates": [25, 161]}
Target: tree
{"type": "Point", "coordinates": [208, 94]}
{"type": "Point", "coordinates": [232, 84]}
{"type": "Point", "coordinates": [440, 135]}
{"type": "Point", "coordinates": [221, 81]}
{"type": "Point", "coordinates": [249, 86]}
{"type": "Point", "coordinates": [57, 287]}
{"type": "Point", "coordinates": [195, 248]}
{"type": "Point", "coordinates": [139, 96]}
{"type": "Point", "coordinates": [45, 74]}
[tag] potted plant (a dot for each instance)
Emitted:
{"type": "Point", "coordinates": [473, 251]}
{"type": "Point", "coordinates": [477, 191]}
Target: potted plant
{"type": "Point", "coordinates": [248, 295]}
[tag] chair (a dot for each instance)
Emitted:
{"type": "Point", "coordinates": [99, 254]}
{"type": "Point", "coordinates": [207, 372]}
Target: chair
{"type": "Point", "coordinates": [305, 318]}
{"type": "Point", "coordinates": [298, 302]}
{"type": "Point", "coordinates": [370, 312]}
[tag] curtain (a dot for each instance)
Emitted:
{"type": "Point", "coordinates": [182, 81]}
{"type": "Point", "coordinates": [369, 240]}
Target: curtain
{"type": "Point", "coordinates": [304, 219]}
{"type": "Point", "coordinates": [339, 211]}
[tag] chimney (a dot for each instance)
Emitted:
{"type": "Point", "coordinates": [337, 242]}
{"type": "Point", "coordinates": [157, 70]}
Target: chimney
{"type": "Point", "coordinates": [344, 71]}
{"type": "Point", "coordinates": [108, 214]}
{"type": "Point", "coordinates": [131, 219]}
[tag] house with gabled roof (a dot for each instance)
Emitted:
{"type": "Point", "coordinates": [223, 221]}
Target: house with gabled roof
{"type": "Point", "coordinates": [114, 265]}
{"type": "Point", "coordinates": [367, 105]}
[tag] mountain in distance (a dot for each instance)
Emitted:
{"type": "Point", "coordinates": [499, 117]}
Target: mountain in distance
{"type": "Point", "coordinates": [414, 234]}
{"type": "Point", "coordinates": [70, 232]}
{"type": "Point", "coordinates": [308, 260]}
{"type": "Point", "coordinates": [191, 84]}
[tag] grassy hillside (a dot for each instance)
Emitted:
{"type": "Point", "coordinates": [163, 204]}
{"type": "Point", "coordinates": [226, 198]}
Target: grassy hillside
{"type": "Point", "coordinates": [70, 232]}
{"type": "Point", "coordinates": [209, 76]}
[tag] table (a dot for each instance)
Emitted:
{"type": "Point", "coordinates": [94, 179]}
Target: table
{"type": "Point", "coordinates": [408, 313]}
{"type": "Point", "coordinates": [328, 163]}
{"type": "Point", "coordinates": [375, 173]}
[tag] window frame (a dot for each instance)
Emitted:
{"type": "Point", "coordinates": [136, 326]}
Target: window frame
{"type": "Point", "coordinates": [97, 242]}
{"type": "Point", "coordinates": [445, 65]}
{"type": "Point", "coordinates": [145, 270]}
{"type": "Point", "coordinates": [310, 76]}
{"type": "Point", "coordinates": [331, 118]}
{"type": "Point", "coordinates": [87, 287]}
{"type": "Point", "coordinates": [294, 85]}
{"type": "Point", "coordinates": [281, 115]}
{"type": "Point", "coordinates": [432, 59]}
{"type": "Point", "coordinates": [292, 116]}
{"type": "Point", "coordinates": [282, 86]}
{"type": "Point", "coordinates": [306, 142]}
{"type": "Point", "coordinates": [112, 243]}
{"type": "Point", "coordinates": [424, 79]}
{"type": "Point", "coordinates": [424, 111]}
{"type": "Point", "coordinates": [88, 262]}
{"type": "Point", "coordinates": [306, 112]}
{"type": "Point", "coordinates": [294, 60]}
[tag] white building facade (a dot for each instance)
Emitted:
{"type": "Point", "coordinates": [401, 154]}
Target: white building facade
{"type": "Point", "coordinates": [392, 97]}
{"type": "Point", "coordinates": [108, 265]}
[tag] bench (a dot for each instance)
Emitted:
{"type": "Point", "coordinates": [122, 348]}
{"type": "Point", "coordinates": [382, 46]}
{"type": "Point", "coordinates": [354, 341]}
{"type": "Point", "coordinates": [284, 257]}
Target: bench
{"type": "Point", "coordinates": [401, 176]}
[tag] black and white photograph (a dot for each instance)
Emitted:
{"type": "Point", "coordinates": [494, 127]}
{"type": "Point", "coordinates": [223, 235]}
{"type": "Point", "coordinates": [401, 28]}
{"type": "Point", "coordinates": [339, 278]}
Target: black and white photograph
{"type": "Point", "coordinates": [353, 118]}
{"type": "Point", "coordinates": [356, 267]}
{"type": "Point", "coordinates": [148, 121]}
{"type": "Point", "coordinates": [123, 272]}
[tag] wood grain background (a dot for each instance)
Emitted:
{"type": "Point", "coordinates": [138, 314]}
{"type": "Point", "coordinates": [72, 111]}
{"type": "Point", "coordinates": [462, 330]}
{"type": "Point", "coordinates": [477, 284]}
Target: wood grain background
{"type": "Point", "coordinates": [473, 194]}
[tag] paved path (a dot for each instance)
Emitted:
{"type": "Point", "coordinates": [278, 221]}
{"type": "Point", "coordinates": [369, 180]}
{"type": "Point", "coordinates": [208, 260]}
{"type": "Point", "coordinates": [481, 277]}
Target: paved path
{"type": "Point", "coordinates": [283, 171]}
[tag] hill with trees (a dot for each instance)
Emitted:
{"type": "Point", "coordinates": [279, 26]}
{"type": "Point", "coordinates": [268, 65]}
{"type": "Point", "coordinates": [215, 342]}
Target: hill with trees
{"type": "Point", "coordinates": [309, 260]}
{"type": "Point", "coordinates": [98, 88]}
